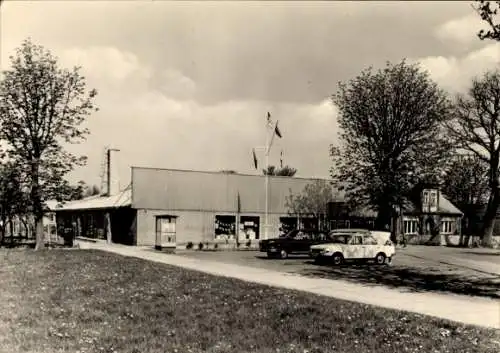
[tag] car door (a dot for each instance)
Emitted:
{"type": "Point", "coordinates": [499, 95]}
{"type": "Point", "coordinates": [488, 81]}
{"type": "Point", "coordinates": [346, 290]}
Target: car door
{"type": "Point", "coordinates": [371, 247]}
{"type": "Point", "coordinates": [355, 248]}
{"type": "Point", "coordinates": [304, 242]}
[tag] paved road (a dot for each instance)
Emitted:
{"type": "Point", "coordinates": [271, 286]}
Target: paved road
{"type": "Point", "coordinates": [470, 262]}
{"type": "Point", "coordinates": [476, 311]}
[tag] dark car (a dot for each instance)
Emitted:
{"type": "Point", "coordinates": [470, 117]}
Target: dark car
{"type": "Point", "coordinates": [294, 242]}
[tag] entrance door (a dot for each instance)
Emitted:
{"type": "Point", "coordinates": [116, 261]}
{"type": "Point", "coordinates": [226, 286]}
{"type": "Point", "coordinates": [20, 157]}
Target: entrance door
{"type": "Point", "coordinates": [165, 232]}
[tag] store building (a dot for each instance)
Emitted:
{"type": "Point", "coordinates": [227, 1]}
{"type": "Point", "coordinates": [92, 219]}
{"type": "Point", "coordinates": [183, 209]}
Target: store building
{"type": "Point", "coordinates": [175, 207]}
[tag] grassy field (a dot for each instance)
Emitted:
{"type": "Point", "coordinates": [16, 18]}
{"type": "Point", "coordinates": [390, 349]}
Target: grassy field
{"type": "Point", "coordinates": [90, 301]}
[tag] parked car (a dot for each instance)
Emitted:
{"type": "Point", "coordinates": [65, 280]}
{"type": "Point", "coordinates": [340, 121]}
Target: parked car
{"type": "Point", "coordinates": [294, 242]}
{"type": "Point", "coordinates": [354, 246]}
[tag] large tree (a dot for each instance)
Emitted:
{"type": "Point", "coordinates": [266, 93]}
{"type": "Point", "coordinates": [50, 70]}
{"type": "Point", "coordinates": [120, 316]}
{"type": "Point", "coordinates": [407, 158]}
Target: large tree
{"type": "Point", "coordinates": [391, 136]}
{"type": "Point", "coordinates": [283, 171]}
{"type": "Point", "coordinates": [312, 201]}
{"type": "Point", "coordinates": [42, 108]}
{"type": "Point", "coordinates": [466, 185]}
{"type": "Point", "coordinates": [489, 11]}
{"type": "Point", "coordinates": [476, 127]}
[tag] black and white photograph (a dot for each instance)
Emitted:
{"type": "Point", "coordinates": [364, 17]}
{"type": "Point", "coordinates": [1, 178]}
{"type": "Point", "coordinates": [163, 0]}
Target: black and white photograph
{"type": "Point", "coordinates": [249, 176]}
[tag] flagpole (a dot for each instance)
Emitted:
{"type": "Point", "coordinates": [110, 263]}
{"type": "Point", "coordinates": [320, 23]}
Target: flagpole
{"type": "Point", "coordinates": [266, 226]}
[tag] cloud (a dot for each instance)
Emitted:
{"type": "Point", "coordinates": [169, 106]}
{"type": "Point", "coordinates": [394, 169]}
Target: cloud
{"type": "Point", "coordinates": [462, 30]}
{"type": "Point", "coordinates": [455, 73]}
{"type": "Point", "coordinates": [154, 120]}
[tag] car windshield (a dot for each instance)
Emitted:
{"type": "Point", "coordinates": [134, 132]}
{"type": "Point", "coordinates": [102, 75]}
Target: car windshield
{"type": "Point", "coordinates": [341, 238]}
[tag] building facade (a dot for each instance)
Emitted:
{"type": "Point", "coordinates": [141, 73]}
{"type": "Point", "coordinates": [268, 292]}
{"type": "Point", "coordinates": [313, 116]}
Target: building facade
{"type": "Point", "coordinates": [172, 208]}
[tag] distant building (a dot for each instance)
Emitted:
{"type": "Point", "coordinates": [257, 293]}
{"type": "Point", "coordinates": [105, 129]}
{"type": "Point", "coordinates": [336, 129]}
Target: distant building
{"type": "Point", "coordinates": [427, 216]}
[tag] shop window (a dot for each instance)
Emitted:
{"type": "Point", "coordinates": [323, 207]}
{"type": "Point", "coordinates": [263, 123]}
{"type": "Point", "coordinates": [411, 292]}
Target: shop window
{"type": "Point", "coordinates": [225, 227]}
{"type": "Point", "coordinates": [249, 227]}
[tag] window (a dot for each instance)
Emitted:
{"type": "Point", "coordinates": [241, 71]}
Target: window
{"type": "Point", "coordinates": [357, 240]}
{"type": "Point", "coordinates": [410, 226]}
{"type": "Point", "coordinates": [225, 226]}
{"type": "Point", "coordinates": [370, 241]}
{"type": "Point", "coordinates": [426, 199]}
{"type": "Point", "coordinates": [447, 227]}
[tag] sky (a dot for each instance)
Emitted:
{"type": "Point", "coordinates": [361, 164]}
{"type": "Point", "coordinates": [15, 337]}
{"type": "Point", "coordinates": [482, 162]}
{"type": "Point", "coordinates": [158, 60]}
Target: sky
{"type": "Point", "coordinates": [187, 85]}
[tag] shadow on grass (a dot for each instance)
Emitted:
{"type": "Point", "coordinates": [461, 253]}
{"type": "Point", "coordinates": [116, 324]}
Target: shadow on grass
{"type": "Point", "coordinates": [409, 278]}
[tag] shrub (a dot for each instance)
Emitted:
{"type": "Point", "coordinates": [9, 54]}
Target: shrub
{"type": "Point", "coordinates": [200, 246]}
{"type": "Point", "coordinates": [189, 245]}
{"type": "Point", "coordinates": [249, 243]}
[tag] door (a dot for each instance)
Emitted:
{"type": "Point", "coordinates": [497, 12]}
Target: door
{"type": "Point", "coordinates": [304, 242]}
{"type": "Point", "coordinates": [355, 248]}
{"type": "Point", "coordinates": [165, 231]}
{"type": "Point", "coordinates": [371, 247]}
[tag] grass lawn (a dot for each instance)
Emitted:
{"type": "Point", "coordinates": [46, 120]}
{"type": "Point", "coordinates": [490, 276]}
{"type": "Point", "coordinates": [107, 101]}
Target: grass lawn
{"type": "Point", "coordinates": [91, 301]}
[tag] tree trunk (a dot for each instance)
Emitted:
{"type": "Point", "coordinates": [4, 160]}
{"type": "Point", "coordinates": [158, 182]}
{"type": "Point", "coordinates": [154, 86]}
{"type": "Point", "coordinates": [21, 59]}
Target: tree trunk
{"type": "Point", "coordinates": [40, 239]}
{"type": "Point", "coordinates": [384, 217]}
{"type": "Point", "coordinates": [490, 217]}
{"type": "Point", "coordinates": [36, 201]}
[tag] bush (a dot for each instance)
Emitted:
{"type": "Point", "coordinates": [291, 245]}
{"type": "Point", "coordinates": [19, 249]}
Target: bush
{"type": "Point", "coordinates": [249, 243]}
{"type": "Point", "coordinates": [200, 246]}
{"type": "Point", "coordinates": [189, 245]}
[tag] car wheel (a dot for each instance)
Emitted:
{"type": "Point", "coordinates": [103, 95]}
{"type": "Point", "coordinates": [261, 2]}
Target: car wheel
{"type": "Point", "coordinates": [337, 259]}
{"type": "Point", "coordinates": [283, 254]}
{"type": "Point", "coordinates": [380, 259]}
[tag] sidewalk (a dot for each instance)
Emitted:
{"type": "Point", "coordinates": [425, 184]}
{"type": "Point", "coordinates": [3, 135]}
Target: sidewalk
{"type": "Point", "coordinates": [468, 310]}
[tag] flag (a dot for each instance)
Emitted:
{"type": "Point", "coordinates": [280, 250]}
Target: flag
{"type": "Point", "coordinates": [277, 130]}
{"type": "Point", "coordinates": [254, 158]}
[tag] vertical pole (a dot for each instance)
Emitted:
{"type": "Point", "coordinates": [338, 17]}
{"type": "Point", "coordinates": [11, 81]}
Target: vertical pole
{"type": "Point", "coordinates": [266, 226]}
{"type": "Point", "coordinates": [108, 171]}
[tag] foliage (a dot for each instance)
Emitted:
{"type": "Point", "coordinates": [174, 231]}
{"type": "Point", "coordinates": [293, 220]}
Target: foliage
{"type": "Point", "coordinates": [312, 200]}
{"type": "Point", "coordinates": [132, 299]}
{"type": "Point", "coordinates": [42, 108]}
{"type": "Point", "coordinates": [189, 245]}
{"type": "Point", "coordinates": [488, 10]}
{"type": "Point", "coordinates": [475, 127]}
{"type": "Point", "coordinates": [391, 136]}
{"type": "Point", "coordinates": [466, 181]}
{"type": "Point", "coordinates": [284, 171]}
{"type": "Point", "coordinates": [13, 198]}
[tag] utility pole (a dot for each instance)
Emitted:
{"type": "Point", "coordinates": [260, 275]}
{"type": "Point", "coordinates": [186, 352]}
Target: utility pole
{"type": "Point", "coordinates": [108, 169]}
{"type": "Point", "coordinates": [108, 193]}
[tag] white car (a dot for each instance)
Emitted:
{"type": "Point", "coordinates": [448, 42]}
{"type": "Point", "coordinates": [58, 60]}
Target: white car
{"type": "Point", "coordinates": [354, 246]}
